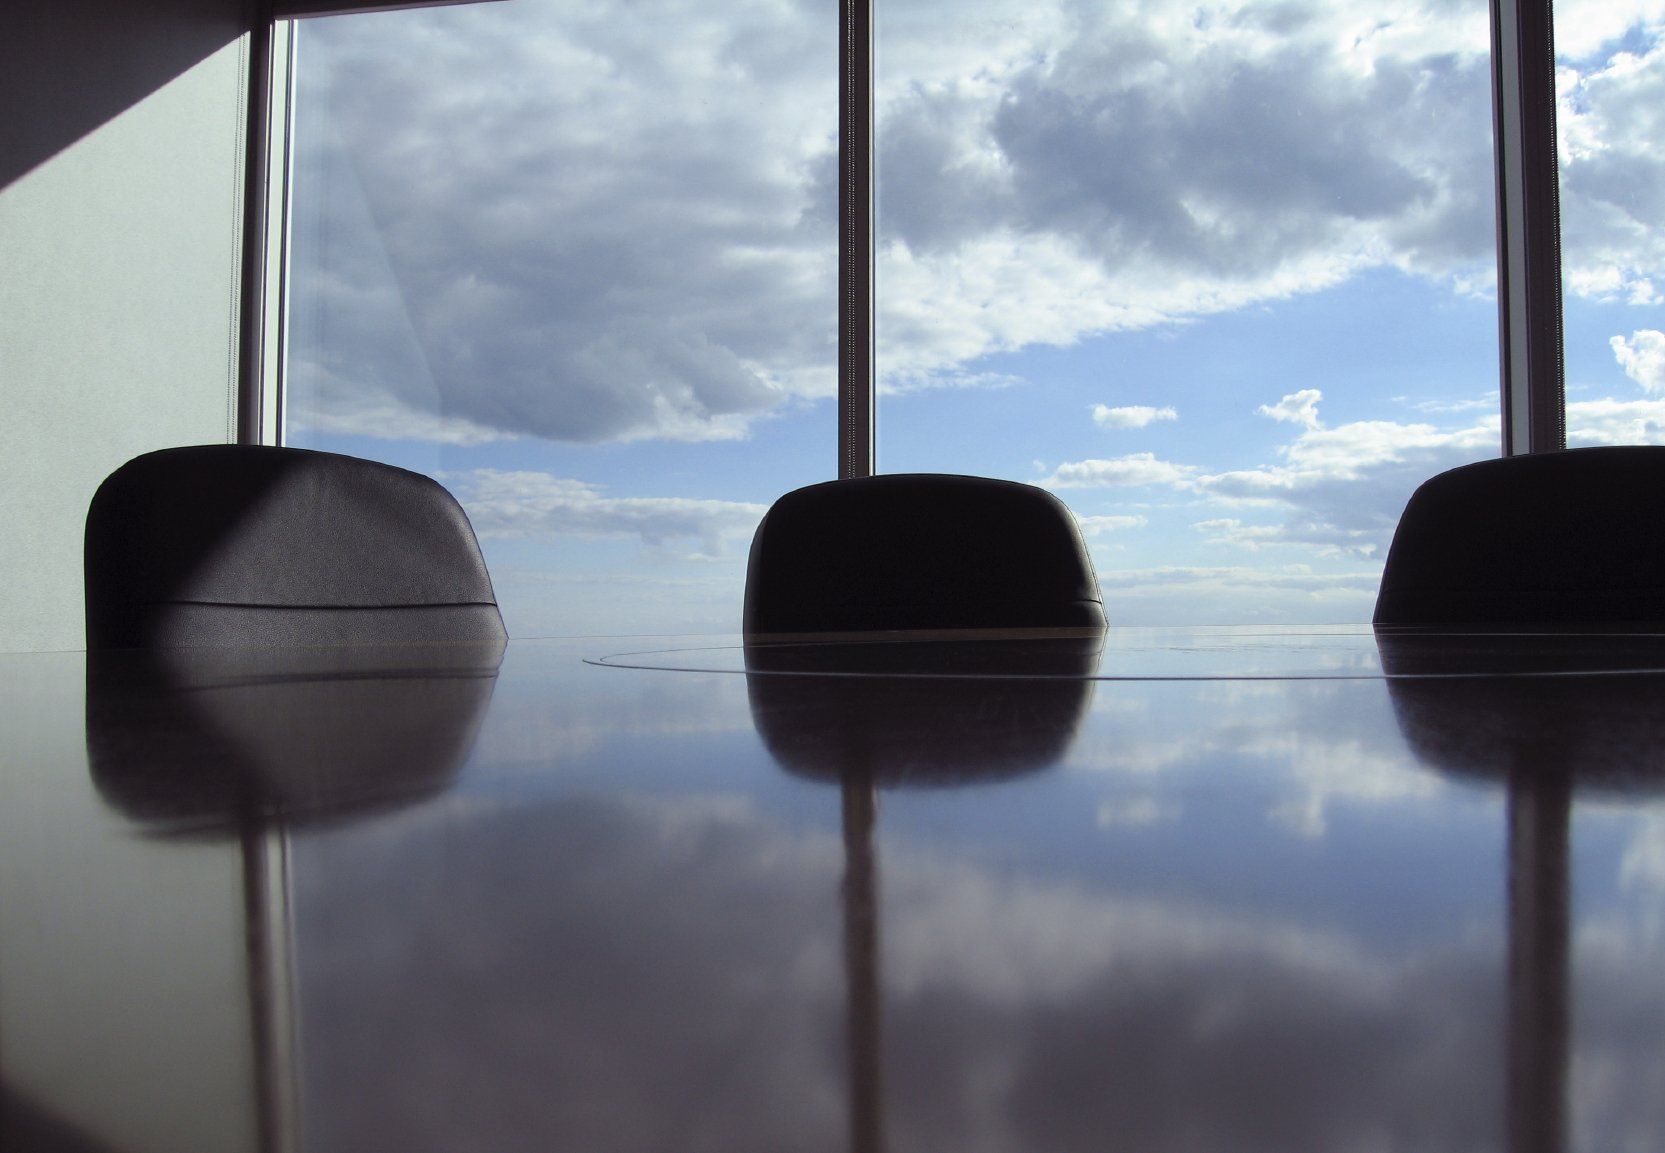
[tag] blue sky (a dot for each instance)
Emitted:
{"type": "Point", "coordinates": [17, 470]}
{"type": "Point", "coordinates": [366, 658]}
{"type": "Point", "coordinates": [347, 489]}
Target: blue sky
{"type": "Point", "coordinates": [1220, 275]}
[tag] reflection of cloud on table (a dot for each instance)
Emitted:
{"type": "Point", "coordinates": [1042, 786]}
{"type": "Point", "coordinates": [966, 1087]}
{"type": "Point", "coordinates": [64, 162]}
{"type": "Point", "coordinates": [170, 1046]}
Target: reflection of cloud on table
{"type": "Point", "coordinates": [1643, 865]}
{"type": "Point", "coordinates": [1270, 743]}
{"type": "Point", "coordinates": [677, 982]}
{"type": "Point", "coordinates": [532, 733]}
{"type": "Point", "coordinates": [1326, 772]}
{"type": "Point", "coordinates": [1136, 812]}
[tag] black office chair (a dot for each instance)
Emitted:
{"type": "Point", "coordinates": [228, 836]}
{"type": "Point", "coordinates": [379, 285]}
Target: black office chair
{"type": "Point", "coordinates": [1560, 538]}
{"type": "Point", "coordinates": [242, 545]}
{"type": "Point", "coordinates": [911, 551]}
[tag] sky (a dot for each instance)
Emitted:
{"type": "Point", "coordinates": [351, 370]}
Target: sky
{"type": "Point", "coordinates": [1220, 275]}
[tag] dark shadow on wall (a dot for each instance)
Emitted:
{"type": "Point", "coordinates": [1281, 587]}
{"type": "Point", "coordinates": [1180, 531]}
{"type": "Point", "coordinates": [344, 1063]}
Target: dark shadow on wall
{"type": "Point", "coordinates": [69, 66]}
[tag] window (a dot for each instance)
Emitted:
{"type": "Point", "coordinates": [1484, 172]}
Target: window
{"type": "Point", "coordinates": [1222, 276]}
{"type": "Point", "coordinates": [1610, 80]}
{"type": "Point", "coordinates": [587, 282]}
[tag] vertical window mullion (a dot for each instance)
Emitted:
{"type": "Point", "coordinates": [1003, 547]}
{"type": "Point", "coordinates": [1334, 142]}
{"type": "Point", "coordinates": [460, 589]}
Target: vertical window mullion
{"type": "Point", "coordinates": [855, 240]}
{"type": "Point", "coordinates": [278, 204]}
{"type": "Point", "coordinates": [251, 317]}
{"type": "Point", "coordinates": [1528, 227]}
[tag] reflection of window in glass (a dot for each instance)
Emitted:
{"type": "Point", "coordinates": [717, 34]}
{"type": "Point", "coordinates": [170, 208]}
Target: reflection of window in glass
{"type": "Point", "coordinates": [1222, 276]}
{"type": "Point", "coordinates": [1610, 83]}
{"type": "Point", "coordinates": [577, 261]}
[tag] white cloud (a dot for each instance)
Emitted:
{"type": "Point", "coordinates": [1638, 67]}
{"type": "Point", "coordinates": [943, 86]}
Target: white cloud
{"type": "Point", "coordinates": [521, 504]}
{"type": "Point", "coordinates": [1290, 576]}
{"type": "Point", "coordinates": [1100, 525]}
{"type": "Point", "coordinates": [1131, 416]}
{"type": "Point", "coordinates": [1643, 358]}
{"type": "Point", "coordinates": [373, 412]}
{"type": "Point", "coordinates": [1585, 26]}
{"type": "Point", "coordinates": [1484, 402]}
{"type": "Point", "coordinates": [892, 382]}
{"type": "Point", "coordinates": [1296, 408]}
{"type": "Point", "coordinates": [1613, 421]}
{"type": "Point", "coordinates": [1341, 489]}
{"type": "Point", "coordinates": [1237, 594]}
{"type": "Point", "coordinates": [1140, 468]}
{"type": "Point", "coordinates": [1227, 530]}
{"type": "Point", "coordinates": [998, 291]}
{"type": "Point", "coordinates": [1349, 450]}
{"type": "Point", "coordinates": [1612, 174]}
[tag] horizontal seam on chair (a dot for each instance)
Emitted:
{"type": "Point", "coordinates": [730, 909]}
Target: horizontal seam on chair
{"type": "Point", "coordinates": [316, 607]}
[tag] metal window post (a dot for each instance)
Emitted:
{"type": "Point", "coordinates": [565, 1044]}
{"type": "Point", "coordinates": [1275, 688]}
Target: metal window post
{"type": "Point", "coordinates": [1528, 226]}
{"type": "Point", "coordinates": [251, 317]}
{"type": "Point", "coordinates": [855, 240]}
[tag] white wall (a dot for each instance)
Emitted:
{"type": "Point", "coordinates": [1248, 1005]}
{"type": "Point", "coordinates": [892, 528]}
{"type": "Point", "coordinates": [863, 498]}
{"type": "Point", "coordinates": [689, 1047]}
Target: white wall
{"type": "Point", "coordinates": [120, 210]}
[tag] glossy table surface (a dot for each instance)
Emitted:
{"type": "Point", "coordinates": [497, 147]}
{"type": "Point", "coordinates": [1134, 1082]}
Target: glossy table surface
{"type": "Point", "coordinates": [1223, 889]}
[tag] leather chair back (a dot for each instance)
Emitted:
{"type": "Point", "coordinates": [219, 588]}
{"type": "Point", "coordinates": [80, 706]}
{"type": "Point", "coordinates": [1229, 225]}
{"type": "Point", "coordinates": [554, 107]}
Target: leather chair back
{"type": "Point", "coordinates": [1575, 537]}
{"type": "Point", "coordinates": [907, 551]}
{"type": "Point", "coordinates": [243, 545]}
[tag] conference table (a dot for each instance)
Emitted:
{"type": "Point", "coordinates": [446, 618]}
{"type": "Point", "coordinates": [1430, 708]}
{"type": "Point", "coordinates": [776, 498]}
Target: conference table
{"type": "Point", "coordinates": [1161, 889]}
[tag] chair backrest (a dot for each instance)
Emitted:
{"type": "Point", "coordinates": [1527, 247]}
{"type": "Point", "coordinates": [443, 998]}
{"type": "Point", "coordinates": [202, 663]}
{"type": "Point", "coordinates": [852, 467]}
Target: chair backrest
{"type": "Point", "coordinates": [243, 545]}
{"type": "Point", "coordinates": [1575, 537]}
{"type": "Point", "coordinates": [919, 551]}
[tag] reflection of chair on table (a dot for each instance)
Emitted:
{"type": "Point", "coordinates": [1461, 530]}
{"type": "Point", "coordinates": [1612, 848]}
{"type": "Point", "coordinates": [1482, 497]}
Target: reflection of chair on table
{"type": "Point", "coordinates": [878, 715]}
{"type": "Point", "coordinates": [1559, 540]}
{"type": "Point", "coordinates": [247, 744]}
{"type": "Point", "coordinates": [220, 738]}
{"type": "Point", "coordinates": [1546, 738]}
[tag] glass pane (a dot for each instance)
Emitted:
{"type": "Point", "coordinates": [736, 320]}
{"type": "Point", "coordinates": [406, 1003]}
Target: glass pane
{"type": "Point", "coordinates": [1610, 82]}
{"type": "Point", "coordinates": [1221, 275]}
{"type": "Point", "coordinates": [577, 262]}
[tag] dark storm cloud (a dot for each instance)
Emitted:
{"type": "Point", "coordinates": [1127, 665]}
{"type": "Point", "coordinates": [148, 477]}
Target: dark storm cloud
{"type": "Point", "coordinates": [591, 231]}
{"type": "Point", "coordinates": [1203, 154]}
{"type": "Point", "coordinates": [1223, 182]}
